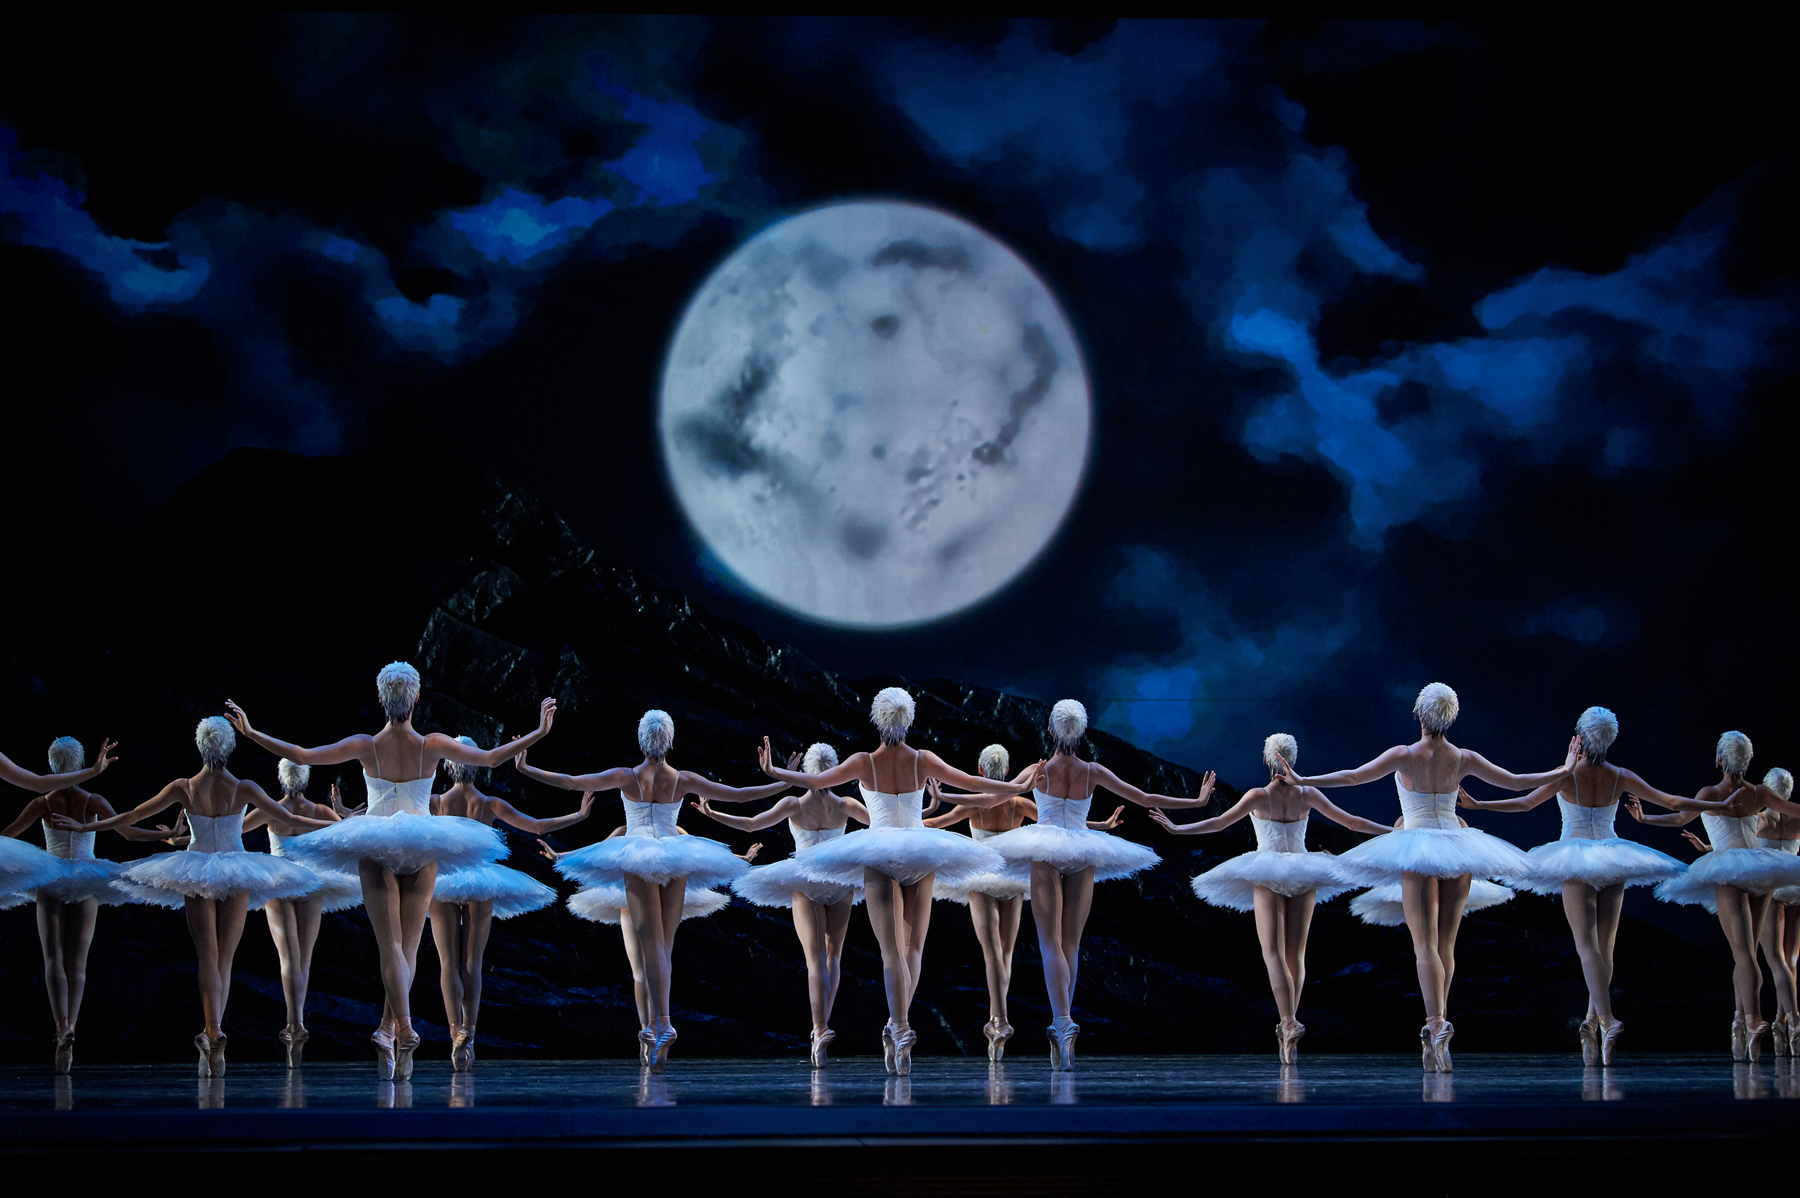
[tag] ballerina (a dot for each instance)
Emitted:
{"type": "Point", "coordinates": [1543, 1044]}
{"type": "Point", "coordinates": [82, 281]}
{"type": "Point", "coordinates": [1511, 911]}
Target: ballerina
{"type": "Point", "coordinates": [1279, 880]}
{"type": "Point", "coordinates": [294, 922]}
{"type": "Point", "coordinates": [1062, 858]}
{"type": "Point", "coordinates": [69, 901]}
{"type": "Point", "coordinates": [653, 861]}
{"type": "Point", "coordinates": [896, 859]}
{"type": "Point", "coordinates": [1781, 920]}
{"type": "Point", "coordinates": [821, 910]}
{"type": "Point", "coordinates": [214, 880]}
{"type": "Point", "coordinates": [1736, 876]}
{"type": "Point", "coordinates": [465, 902]}
{"type": "Point", "coordinates": [997, 901]}
{"type": "Point", "coordinates": [1434, 856]}
{"type": "Point", "coordinates": [1590, 866]}
{"type": "Point", "coordinates": [396, 848]}
{"type": "Point", "coordinates": [25, 867]}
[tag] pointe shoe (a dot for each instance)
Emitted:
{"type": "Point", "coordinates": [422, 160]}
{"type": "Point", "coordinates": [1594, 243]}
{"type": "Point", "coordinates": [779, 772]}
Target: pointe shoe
{"type": "Point", "coordinates": [887, 1045]}
{"type": "Point", "coordinates": [65, 1053]}
{"type": "Point", "coordinates": [1793, 1038]}
{"type": "Point", "coordinates": [204, 1043]}
{"type": "Point", "coordinates": [462, 1052]}
{"type": "Point", "coordinates": [646, 1046]}
{"type": "Point", "coordinates": [1589, 1031]}
{"type": "Point", "coordinates": [1427, 1061]}
{"type": "Point", "coordinates": [1609, 1040]}
{"type": "Point", "coordinates": [404, 1047]}
{"type": "Point", "coordinates": [216, 1057]}
{"type": "Point", "coordinates": [903, 1046]}
{"type": "Point", "coordinates": [819, 1040]}
{"type": "Point", "coordinates": [1062, 1047]}
{"type": "Point", "coordinates": [997, 1034]}
{"type": "Point", "coordinates": [1740, 1038]}
{"type": "Point", "coordinates": [293, 1040]}
{"type": "Point", "coordinates": [384, 1053]}
{"type": "Point", "coordinates": [1287, 1037]}
{"type": "Point", "coordinates": [1753, 1040]}
{"type": "Point", "coordinates": [1778, 1035]}
{"type": "Point", "coordinates": [659, 1056]}
{"type": "Point", "coordinates": [1439, 1045]}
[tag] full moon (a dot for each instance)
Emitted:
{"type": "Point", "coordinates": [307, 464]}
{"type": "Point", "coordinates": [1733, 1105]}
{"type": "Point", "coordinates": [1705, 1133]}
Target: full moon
{"type": "Point", "coordinates": [875, 414]}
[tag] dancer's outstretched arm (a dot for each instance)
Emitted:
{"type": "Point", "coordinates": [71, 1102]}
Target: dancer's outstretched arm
{"type": "Point", "coordinates": [24, 779]}
{"type": "Point", "coordinates": [1695, 841]}
{"type": "Point", "coordinates": [1372, 771]}
{"type": "Point", "coordinates": [1338, 815]}
{"type": "Point", "coordinates": [1635, 786]}
{"type": "Point", "coordinates": [752, 823]}
{"type": "Point", "coordinates": [860, 767]}
{"type": "Point", "coordinates": [506, 813]}
{"type": "Point", "coordinates": [1143, 798]}
{"type": "Point", "coordinates": [175, 792]}
{"type": "Point", "coordinates": [361, 747]}
{"type": "Point", "coordinates": [1539, 796]}
{"type": "Point", "coordinates": [1674, 819]}
{"type": "Point", "coordinates": [1478, 766]}
{"type": "Point", "coordinates": [688, 783]}
{"type": "Point", "coordinates": [1217, 823]}
{"type": "Point", "coordinates": [613, 779]}
{"type": "Point", "coordinates": [1766, 797]}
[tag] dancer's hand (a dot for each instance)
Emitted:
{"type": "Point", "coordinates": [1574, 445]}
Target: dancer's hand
{"type": "Point", "coordinates": [1286, 772]}
{"type": "Point", "coordinates": [1695, 841]}
{"type": "Point", "coordinates": [546, 715]}
{"type": "Point", "coordinates": [105, 758]}
{"type": "Point", "coordinates": [702, 806]}
{"type": "Point", "coordinates": [765, 757]}
{"type": "Point", "coordinates": [1465, 799]}
{"type": "Point", "coordinates": [937, 797]}
{"type": "Point", "coordinates": [63, 823]}
{"type": "Point", "coordinates": [587, 803]}
{"type": "Point", "coordinates": [1162, 817]}
{"type": "Point", "coordinates": [750, 853]}
{"type": "Point", "coordinates": [238, 718]}
{"type": "Point", "coordinates": [1206, 786]}
{"type": "Point", "coordinates": [1118, 816]}
{"type": "Point", "coordinates": [1574, 752]}
{"type": "Point", "coordinates": [1636, 808]}
{"type": "Point", "coordinates": [796, 760]}
{"type": "Point", "coordinates": [545, 851]}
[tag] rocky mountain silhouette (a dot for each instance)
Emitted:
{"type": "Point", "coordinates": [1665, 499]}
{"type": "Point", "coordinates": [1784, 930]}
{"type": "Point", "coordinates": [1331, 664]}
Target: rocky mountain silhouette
{"type": "Point", "coordinates": [285, 582]}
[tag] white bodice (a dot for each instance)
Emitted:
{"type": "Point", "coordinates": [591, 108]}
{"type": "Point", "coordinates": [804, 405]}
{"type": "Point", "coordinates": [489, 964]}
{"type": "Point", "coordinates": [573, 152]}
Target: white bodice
{"type": "Point", "coordinates": [895, 811]}
{"type": "Point", "coordinates": [216, 833]}
{"type": "Point", "coordinates": [70, 846]}
{"type": "Point", "coordinates": [276, 840]}
{"type": "Point", "coordinates": [981, 833]}
{"type": "Point", "coordinates": [805, 838]}
{"type": "Point", "coordinates": [1061, 813]}
{"type": "Point", "coordinates": [1427, 810]}
{"type": "Point", "coordinates": [651, 819]}
{"type": "Point", "coordinates": [1587, 823]}
{"type": "Point", "coordinates": [1729, 832]}
{"type": "Point", "coordinates": [393, 798]}
{"type": "Point", "coordinates": [1779, 846]}
{"type": "Point", "coordinates": [1274, 836]}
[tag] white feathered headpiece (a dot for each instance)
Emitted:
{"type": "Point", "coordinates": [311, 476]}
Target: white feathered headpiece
{"type": "Point", "coordinates": [892, 714]}
{"type": "Point", "coordinates": [1068, 723]}
{"type": "Point", "coordinates": [294, 776]}
{"type": "Point", "coordinates": [994, 762]}
{"type": "Point", "coordinates": [819, 758]}
{"type": "Point", "coordinates": [1280, 747]}
{"type": "Point", "coordinates": [1436, 708]}
{"type": "Point", "coordinates": [656, 733]}
{"type": "Point", "coordinates": [1598, 728]}
{"type": "Point", "coordinates": [398, 686]}
{"type": "Point", "coordinates": [66, 755]}
{"type": "Point", "coordinates": [1780, 781]}
{"type": "Point", "coordinates": [1735, 752]}
{"type": "Point", "coordinates": [457, 770]}
{"type": "Point", "coordinates": [215, 739]}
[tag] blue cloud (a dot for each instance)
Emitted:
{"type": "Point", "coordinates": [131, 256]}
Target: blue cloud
{"type": "Point", "coordinates": [664, 164]}
{"type": "Point", "coordinates": [517, 226]}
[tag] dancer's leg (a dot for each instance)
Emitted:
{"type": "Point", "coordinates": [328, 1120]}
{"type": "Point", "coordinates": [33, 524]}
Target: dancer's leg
{"type": "Point", "coordinates": [674, 898]}
{"type": "Point", "coordinates": [1452, 897]}
{"type": "Point", "coordinates": [837, 929]}
{"type": "Point", "coordinates": [1790, 937]}
{"type": "Point", "coordinates": [1781, 966]}
{"type": "Point", "coordinates": [1011, 914]}
{"type": "Point", "coordinates": [640, 984]}
{"type": "Point", "coordinates": [77, 937]}
{"type": "Point", "coordinates": [809, 926]}
{"type": "Point", "coordinates": [1271, 933]}
{"type": "Point", "coordinates": [644, 901]}
{"type": "Point", "coordinates": [1078, 900]}
{"type": "Point", "coordinates": [915, 924]}
{"type": "Point", "coordinates": [1740, 933]}
{"type": "Point", "coordinates": [1419, 900]}
{"type": "Point", "coordinates": [50, 919]}
{"type": "Point", "coordinates": [446, 919]}
{"type": "Point", "coordinates": [231, 915]}
{"type": "Point", "coordinates": [984, 915]}
{"type": "Point", "coordinates": [284, 931]}
{"type": "Point", "coordinates": [478, 922]}
{"type": "Point", "coordinates": [881, 894]}
{"type": "Point", "coordinates": [1581, 906]}
{"type": "Point", "coordinates": [1298, 923]}
{"type": "Point", "coordinates": [381, 899]}
{"type": "Point", "coordinates": [1047, 912]}
{"type": "Point", "coordinates": [203, 930]}
{"type": "Point", "coordinates": [1608, 905]}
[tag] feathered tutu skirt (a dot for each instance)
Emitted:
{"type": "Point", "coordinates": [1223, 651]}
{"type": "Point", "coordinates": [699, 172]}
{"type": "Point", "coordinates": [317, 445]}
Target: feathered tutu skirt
{"type": "Point", "coordinates": [25, 867]}
{"type": "Point", "coordinates": [1439, 852]}
{"type": "Point", "coordinates": [1759, 871]}
{"type": "Point", "coordinates": [1233, 884]}
{"type": "Point", "coordinates": [1382, 905]}
{"type": "Point", "coordinates": [1596, 863]}
{"type": "Point", "coordinates": [170, 879]}
{"type": "Point", "coordinates": [511, 892]}
{"type": "Point", "coordinates": [904, 854]}
{"type": "Point", "coordinates": [999, 886]}
{"type": "Point", "coordinates": [1787, 896]}
{"type": "Point", "coordinates": [1069, 851]}
{"type": "Point", "coordinates": [775, 884]}
{"type": "Point", "coordinates": [403, 843]}
{"type": "Point", "coordinates": [77, 879]}
{"type": "Point", "coordinates": [656, 859]}
{"type": "Point", "coordinates": [602, 904]}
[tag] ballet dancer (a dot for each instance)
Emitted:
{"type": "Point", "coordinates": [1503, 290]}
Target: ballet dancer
{"type": "Point", "coordinates": [1590, 866]}
{"type": "Point", "coordinates": [396, 848]}
{"type": "Point", "coordinates": [25, 867]}
{"type": "Point", "coordinates": [1781, 919]}
{"type": "Point", "coordinates": [1434, 855]}
{"type": "Point", "coordinates": [465, 902]}
{"type": "Point", "coordinates": [996, 901]}
{"type": "Point", "coordinates": [653, 861]}
{"type": "Point", "coordinates": [68, 902]}
{"type": "Point", "coordinates": [1279, 880]}
{"type": "Point", "coordinates": [896, 859]}
{"type": "Point", "coordinates": [294, 923]}
{"type": "Point", "coordinates": [608, 904]}
{"type": "Point", "coordinates": [1735, 878]}
{"type": "Point", "coordinates": [821, 910]}
{"type": "Point", "coordinates": [214, 879]}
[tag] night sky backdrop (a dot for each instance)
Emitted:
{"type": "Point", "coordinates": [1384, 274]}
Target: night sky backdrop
{"type": "Point", "coordinates": [1457, 352]}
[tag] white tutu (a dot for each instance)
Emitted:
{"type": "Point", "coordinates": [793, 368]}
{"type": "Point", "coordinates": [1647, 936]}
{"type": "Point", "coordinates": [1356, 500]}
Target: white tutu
{"type": "Point", "coordinates": [1758, 871]}
{"type": "Point", "coordinates": [170, 879]}
{"type": "Point", "coordinates": [404, 843]}
{"type": "Point", "coordinates": [511, 892]}
{"type": "Point", "coordinates": [775, 884]}
{"type": "Point", "coordinates": [1233, 884]}
{"type": "Point", "coordinates": [1382, 905]}
{"type": "Point", "coordinates": [656, 859]}
{"type": "Point", "coordinates": [79, 878]}
{"type": "Point", "coordinates": [1597, 863]}
{"type": "Point", "coordinates": [1787, 896]}
{"type": "Point", "coordinates": [602, 904]}
{"type": "Point", "coordinates": [25, 867]}
{"type": "Point", "coordinates": [1069, 851]}
{"type": "Point", "coordinates": [1000, 886]}
{"type": "Point", "coordinates": [1439, 852]}
{"type": "Point", "coordinates": [904, 854]}
{"type": "Point", "coordinates": [336, 891]}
